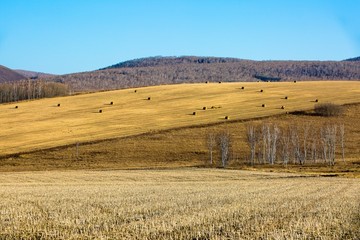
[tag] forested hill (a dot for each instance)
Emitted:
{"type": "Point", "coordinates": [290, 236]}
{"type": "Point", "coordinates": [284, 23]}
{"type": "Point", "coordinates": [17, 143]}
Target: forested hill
{"type": "Point", "coordinates": [8, 75]}
{"type": "Point", "coordinates": [353, 59]}
{"type": "Point", "coordinates": [173, 70]}
{"type": "Point", "coordinates": [166, 61]}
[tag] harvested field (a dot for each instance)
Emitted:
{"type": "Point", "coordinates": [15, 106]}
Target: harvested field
{"type": "Point", "coordinates": [177, 204]}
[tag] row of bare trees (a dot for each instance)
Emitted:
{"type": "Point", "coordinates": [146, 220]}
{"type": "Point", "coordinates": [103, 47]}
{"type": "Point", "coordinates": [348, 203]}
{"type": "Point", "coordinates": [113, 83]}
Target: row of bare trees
{"type": "Point", "coordinates": [270, 143]}
{"type": "Point", "coordinates": [297, 144]}
{"type": "Point", "coordinates": [221, 141]}
{"type": "Point", "coordinates": [31, 89]}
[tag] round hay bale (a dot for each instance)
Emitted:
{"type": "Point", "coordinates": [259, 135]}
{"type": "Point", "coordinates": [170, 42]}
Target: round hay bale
{"type": "Point", "coordinates": [227, 117]}
{"type": "Point", "coordinates": [194, 113]}
{"type": "Point", "coordinates": [264, 105]}
{"type": "Point", "coordinates": [111, 103]}
{"type": "Point", "coordinates": [204, 108]}
{"type": "Point", "coordinates": [58, 105]}
{"type": "Point", "coordinates": [100, 111]}
{"type": "Point", "coordinates": [16, 106]}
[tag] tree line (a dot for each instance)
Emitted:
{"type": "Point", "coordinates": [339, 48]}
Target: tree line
{"type": "Point", "coordinates": [157, 71]}
{"type": "Point", "coordinates": [31, 89]}
{"type": "Point", "coordinates": [270, 143]}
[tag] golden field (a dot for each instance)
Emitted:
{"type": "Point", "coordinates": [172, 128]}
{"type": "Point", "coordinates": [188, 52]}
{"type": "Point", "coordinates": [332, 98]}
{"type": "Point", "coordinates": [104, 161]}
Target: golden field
{"type": "Point", "coordinates": [41, 124]}
{"type": "Point", "coordinates": [137, 170]}
{"type": "Point", "coordinates": [186, 147]}
{"type": "Point", "coordinates": [177, 204]}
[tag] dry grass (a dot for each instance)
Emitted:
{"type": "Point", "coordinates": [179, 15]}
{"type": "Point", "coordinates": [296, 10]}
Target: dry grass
{"type": "Point", "coordinates": [187, 147]}
{"type": "Point", "coordinates": [41, 124]}
{"type": "Point", "coordinates": [177, 204]}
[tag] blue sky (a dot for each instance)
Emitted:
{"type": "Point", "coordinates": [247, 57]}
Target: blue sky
{"type": "Point", "coordinates": [65, 36]}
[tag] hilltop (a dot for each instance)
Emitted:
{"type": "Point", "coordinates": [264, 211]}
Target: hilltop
{"type": "Point", "coordinates": [353, 59]}
{"type": "Point", "coordinates": [8, 75]}
{"type": "Point", "coordinates": [191, 69]}
{"type": "Point", "coordinates": [32, 74]}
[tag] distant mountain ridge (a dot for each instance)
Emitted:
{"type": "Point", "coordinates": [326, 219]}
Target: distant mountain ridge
{"type": "Point", "coordinates": [191, 69]}
{"type": "Point", "coordinates": [353, 59]}
{"type": "Point", "coordinates": [9, 75]}
{"type": "Point", "coordinates": [165, 61]}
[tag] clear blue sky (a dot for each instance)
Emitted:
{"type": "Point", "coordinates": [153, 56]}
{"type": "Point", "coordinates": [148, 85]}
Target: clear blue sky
{"type": "Point", "coordinates": [64, 36]}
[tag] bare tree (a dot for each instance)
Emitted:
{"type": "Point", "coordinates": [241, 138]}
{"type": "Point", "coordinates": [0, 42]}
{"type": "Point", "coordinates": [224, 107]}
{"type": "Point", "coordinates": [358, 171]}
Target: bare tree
{"type": "Point", "coordinates": [314, 144]}
{"type": "Point", "coordinates": [264, 142]}
{"type": "Point", "coordinates": [306, 128]}
{"type": "Point", "coordinates": [332, 129]}
{"type": "Point", "coordinates": [211, 143]}
{"type": "Point", "coordinates": [342, 140]}
{"type": "Point", "coordinates": [285, 146]}
{"type": "Point", "coordinates": [324, 143]}
{"type": "Point", "coordinates": [273, 144]}
{"type": "Point", "coordinates": [295, 140]}
{"type": "Point", "coordinates": [252, 140]}
{"type": "Point", "coordinates": [224, 140]}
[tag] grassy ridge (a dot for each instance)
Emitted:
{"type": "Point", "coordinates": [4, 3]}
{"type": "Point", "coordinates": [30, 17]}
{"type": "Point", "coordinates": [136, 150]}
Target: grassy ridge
{"type": "Point", "coordinates": [41, 124]}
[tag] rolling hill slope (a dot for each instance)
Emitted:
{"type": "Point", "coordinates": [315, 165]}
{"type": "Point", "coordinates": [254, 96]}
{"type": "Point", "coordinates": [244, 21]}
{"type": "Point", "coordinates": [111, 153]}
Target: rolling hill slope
{"type": "Point", "coordinates": [42, 124]}
{"type": "Point", "coordinates": [8, 75]}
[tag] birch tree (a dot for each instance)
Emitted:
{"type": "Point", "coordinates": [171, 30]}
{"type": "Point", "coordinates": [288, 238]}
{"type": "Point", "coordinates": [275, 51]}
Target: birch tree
{"type": "Point", "coordinates": [211, 143]}
{"type": "Point", "coordinates": [252, 140]}
{"type": "Point", "coordinates": [224, 140]}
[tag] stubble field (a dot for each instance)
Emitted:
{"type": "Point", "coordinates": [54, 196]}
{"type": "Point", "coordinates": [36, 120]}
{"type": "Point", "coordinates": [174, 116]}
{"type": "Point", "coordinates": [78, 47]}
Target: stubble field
{"type": "Point", "coordinates": [177, 204]}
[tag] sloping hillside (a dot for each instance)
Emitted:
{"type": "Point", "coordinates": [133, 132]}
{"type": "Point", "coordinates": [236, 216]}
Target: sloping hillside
{"type": "Point", "coordinates": [44, 124]}
{"type": "Point", "coordinates": [32, 74]}
{"type": "Point", "coordinates": [353, 59]}
{"type": "Point", "coordinates": [174, 70]}
{"type": "Point", "coordinates": [8, 75]}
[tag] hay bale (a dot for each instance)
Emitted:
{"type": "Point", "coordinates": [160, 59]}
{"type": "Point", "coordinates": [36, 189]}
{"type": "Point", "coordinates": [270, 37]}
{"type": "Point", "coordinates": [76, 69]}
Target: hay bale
{"type": "Point", "coordinates": [227, 117]}
{"type": "Point", "coordinates": [264, 105]}
{"type": "Point", "coordinates": [204, 108]}
{"type": "Point", "coordinates": [58, 105]}
{"type": "Point", "coordinates": [149, 98]}
{"type": "Point", "coordinates": [111, 103]}
{"type": "Point", "coordinates": [194, 113]}
{"type": "Point", "coordinates": [100, 111]}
